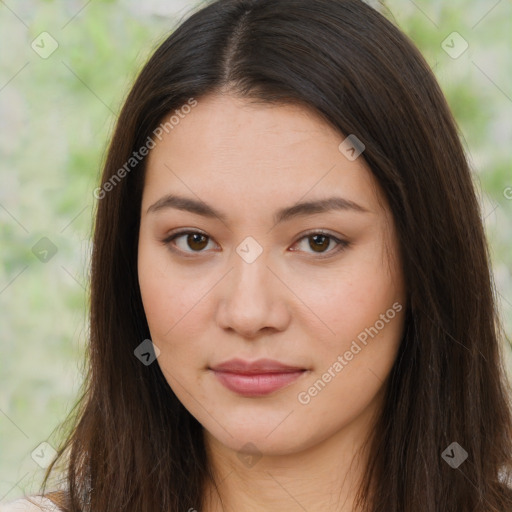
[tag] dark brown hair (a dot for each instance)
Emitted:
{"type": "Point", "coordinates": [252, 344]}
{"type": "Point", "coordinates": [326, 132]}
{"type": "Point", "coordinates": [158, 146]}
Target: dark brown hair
{"type": "Point", "coordinates": [131, 445]}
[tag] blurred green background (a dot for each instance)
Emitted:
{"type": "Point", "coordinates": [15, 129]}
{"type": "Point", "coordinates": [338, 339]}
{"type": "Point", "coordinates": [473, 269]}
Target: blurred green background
{"type": "Point", "coordinates": [58, 105]}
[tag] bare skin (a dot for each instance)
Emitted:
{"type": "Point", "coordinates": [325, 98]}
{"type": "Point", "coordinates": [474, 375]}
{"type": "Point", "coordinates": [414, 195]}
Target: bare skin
{"type": "Point", "coordinates": [303, 301]}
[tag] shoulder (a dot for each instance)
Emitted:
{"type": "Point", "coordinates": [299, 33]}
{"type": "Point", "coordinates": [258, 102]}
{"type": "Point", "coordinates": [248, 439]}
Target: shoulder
{"type": "Point", "coordinates": [30, 504]}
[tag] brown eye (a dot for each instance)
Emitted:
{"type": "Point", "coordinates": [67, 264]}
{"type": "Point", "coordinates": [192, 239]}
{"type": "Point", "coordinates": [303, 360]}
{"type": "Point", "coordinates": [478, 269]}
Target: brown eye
{"type": "Point", "coordinates": [319, 242]}
{"type": "Point", "coordinates": [193, 241]}
{"type": "Point", "coordinates": [196, 241]}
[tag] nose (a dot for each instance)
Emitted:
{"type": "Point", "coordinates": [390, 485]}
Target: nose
{"type": "Point", "coordinates": [253, 300]}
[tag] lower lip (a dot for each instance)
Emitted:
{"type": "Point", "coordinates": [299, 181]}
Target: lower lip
{"type": "Point", "coordinates": [257, 384]}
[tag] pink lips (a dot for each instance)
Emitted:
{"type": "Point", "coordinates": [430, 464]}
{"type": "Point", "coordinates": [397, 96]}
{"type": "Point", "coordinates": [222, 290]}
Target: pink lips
{"type": "Point", "coordinates": [256, 378]}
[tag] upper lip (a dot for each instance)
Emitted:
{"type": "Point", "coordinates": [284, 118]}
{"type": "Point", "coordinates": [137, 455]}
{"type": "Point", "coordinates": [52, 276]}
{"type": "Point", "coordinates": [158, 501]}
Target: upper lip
{"type": "Point", "coordinates": [255, 367]}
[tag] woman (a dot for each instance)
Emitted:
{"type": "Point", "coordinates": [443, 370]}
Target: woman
{"type": "Point", "coordinates": [291, 302]}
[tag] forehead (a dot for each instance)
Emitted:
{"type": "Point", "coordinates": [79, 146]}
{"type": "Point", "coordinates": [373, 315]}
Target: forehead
{"type": "Point", "coordinates": [240, 152]}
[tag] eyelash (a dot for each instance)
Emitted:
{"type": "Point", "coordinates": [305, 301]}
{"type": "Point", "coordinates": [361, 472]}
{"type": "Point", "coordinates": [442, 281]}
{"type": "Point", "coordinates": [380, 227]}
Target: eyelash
{"type": "Point", "coordinates": [342, 244]}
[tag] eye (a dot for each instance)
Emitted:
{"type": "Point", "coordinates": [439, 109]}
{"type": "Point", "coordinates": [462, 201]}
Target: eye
{"type": "Point", "coordinates": [319, 242]}
{"type": "Point", "coordinates": [195, 240]}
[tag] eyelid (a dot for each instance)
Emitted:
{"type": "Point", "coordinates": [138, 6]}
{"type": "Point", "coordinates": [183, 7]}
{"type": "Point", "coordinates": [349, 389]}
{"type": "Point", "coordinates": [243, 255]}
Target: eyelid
{"type": "Point", "coordinates": [341, 243]}
{"type": "Point", "coordinates": [180, 232]}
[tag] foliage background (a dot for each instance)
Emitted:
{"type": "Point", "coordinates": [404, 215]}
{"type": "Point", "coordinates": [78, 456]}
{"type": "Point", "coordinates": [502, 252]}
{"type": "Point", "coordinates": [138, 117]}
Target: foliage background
{"type": "Point", "coordinates": [56, 115]}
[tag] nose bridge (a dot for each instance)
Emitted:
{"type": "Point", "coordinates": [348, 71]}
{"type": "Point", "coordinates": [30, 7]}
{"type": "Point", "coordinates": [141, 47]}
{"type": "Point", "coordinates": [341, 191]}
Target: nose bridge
{"type": "Point", "coordinates": [250, 273]}
{"type": "Point", "coordinates": [250, 287]}
{"type": "Point", "coordinates": [251, 298]}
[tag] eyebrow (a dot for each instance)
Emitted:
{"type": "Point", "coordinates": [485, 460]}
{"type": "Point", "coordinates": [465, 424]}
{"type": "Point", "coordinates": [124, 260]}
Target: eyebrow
{"type": "Point", "coordinates": [284, 214]}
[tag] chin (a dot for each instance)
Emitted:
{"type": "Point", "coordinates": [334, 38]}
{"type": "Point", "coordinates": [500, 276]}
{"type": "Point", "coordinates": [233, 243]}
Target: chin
{"type": "Point", "coordinates": [264, 439]}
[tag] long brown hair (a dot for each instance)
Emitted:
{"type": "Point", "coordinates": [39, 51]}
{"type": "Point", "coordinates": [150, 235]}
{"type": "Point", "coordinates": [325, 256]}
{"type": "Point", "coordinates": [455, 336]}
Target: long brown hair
{"type": "Point", "coordinates": [131, 445]}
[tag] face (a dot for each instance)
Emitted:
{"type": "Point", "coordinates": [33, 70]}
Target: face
{"type": "Point", "coordinates": [237, 269]}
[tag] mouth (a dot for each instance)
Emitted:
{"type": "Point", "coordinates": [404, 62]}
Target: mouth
{"type": "Point", "coordinates": [258, 378]}
{"type": "Point", "coordinates": [257, 384]}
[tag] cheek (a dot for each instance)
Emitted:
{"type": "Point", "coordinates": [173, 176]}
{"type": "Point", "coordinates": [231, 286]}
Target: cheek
{"type": "Point", "coordinates": [350, 299]}
{"type": "Point", "coordinates": [174, 298]}
{"type": "Point", "coordinates": [362, 311]}
{"type": "Point", "coordinates": [352, 367]}
{"type": "Point", "coordinates": [164, 295]}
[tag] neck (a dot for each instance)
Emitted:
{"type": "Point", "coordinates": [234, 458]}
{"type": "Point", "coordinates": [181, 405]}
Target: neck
{"type": "Point", "coordinates": [319, 477]}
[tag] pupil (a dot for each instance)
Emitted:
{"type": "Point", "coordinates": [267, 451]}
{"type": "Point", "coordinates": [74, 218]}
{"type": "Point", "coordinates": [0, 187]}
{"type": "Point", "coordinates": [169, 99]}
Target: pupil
{"type": "Point", "coordinates": [323, 246]}
{"type": "Point", "coordinates": [193, 239]}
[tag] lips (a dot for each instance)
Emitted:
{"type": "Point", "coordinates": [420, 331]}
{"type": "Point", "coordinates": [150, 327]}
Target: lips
{"type": "Point", "coordinates": [255, 367]}
{"type": "Point", "coordinates": [256, 378]}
